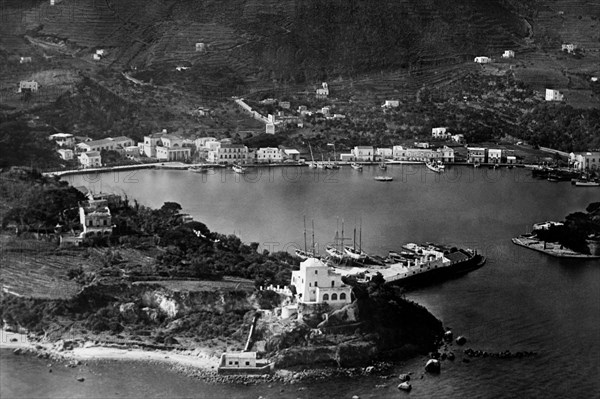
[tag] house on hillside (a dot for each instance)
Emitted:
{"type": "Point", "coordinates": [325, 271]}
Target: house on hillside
{"type": "Point", "coordinates": [95, 218]}
{"type": "Point", "coordinates": [315, 282]}
{"type": "Point", "coordinates": [458, 138]}
{"type": "Point", "coordinates": [323, 92]}
{"type": "Point", "coordinates": [24, 60]}
{"type": "Point", "coordinates": [483, 60]}
{"type": "Point", "coordinates": [440, 133]}
{"type": "Point", "coordinates": [90, 159]}
{"type": "Point", "coordinates": [569, 47]}
{"type": "Point", "coordinates": [391, 104]}
{"type": "Point", "coordinates": [28, 85]}
{"type": "Point", "coordinates": [201, 47]}
{"type": "Point", "coordinates": [62, 139]}
{"type": "Point", "coordinates": [554, 95]}
{"type": "Point", "coordinates": [585, 160]}
{"type": "Point", "coordinates": [66, 154]}
{"type": "Point", "coordinates": [508, 54]}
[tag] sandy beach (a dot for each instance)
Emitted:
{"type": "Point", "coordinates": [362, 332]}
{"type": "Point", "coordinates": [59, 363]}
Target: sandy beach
{"type": "Point", "coordinates": [90, 351]}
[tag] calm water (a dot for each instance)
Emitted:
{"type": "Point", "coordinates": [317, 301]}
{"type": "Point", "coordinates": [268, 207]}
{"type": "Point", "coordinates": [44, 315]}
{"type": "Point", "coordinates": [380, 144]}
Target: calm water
{"type": "Point", "coordinates": [520, 300]}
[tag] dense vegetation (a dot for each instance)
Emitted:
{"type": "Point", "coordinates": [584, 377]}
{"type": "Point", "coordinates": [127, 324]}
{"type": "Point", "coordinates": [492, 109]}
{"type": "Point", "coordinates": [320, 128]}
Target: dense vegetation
{"type": "Point", "coordinates": [21, 145]}
{"type": "Point", "coordinates": [577, 228]}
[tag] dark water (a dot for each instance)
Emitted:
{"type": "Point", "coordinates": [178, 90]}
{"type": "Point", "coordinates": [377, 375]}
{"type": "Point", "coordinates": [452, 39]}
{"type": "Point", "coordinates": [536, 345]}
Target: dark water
{"type": "Point", "coordinates": [520, 300]}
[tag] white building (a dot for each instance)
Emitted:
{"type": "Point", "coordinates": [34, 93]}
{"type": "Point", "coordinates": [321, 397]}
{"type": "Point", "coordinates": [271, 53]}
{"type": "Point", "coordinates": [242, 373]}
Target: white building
{"type": "Point", "coordinates": [390, 104]}
{"type": "Point", "coordinates": [415, 154]}
{"type": "Point", "coordinates": [585, 160]}
{"type": "Point", "coordinates": [440, 132]}
{"type": "Point", "coordinates": [384, 153]}
{"type": "Point", "coordinates": [508, 54]}
{"type": "Point", "coordinates": [494, 155]}
{"type": "Point", "coordinates": [458, 138]}
{"type": "Point", "coordinates": [24, 60]}
{"type": "Point", "coordinates": [268, 155]}
{"type": "Point", "coordinates": [569, 47]}
{"type": "Point", "coordinates": [95, 218]}
{"type": "Point", "coordinates": [200, 142]}
{"type": "Point", "coordinates": [323, 92]}
{"type": "Point", "coordinates": [446, 154]}
{"type": "Point", "coordinates": [315, 282]}
{"type": "Point", "coordinates": [228, 153]}
{"type": "Point", "coordinates": [90, 159]}
{"type": "Point", "coordinates": [554, 95]}
{"type": "Point", "coordinates": [151, 142]}
{"type": "Point", "coordinates": [363, 153]}
{"type": "Point", "coordinates": [28, 85]}
{"type": "Point", "coordinates": [483, 60]}
{"type": "Point", "coordinates": [290, 153]}
{"type": "Point", "coordinates": [66, 154]}
{"type": "Point", "coordinates": [62, 139]}
{"type": "Point", "coordinates": [201, 47]}
{"type": "Point", "coordinates": [270, 128]}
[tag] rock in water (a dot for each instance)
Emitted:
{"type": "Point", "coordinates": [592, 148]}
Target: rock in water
{"type": "Point", "coordinates": [461, 340]}
{"type": "Point", "coordinates": [448, 335]}
{"type": "Point", "coordinates": [404, 377]}
{"type": "Point", "coordinates": [370, 370]}
{"type": "Point", "coordinates": [433, 366]}
{"type": "Point", "coordinates": [356, 397]}
{"type": "Point", "coordinates": [80, 379]}
{"type": "Point", "coordinates": [405, 386]}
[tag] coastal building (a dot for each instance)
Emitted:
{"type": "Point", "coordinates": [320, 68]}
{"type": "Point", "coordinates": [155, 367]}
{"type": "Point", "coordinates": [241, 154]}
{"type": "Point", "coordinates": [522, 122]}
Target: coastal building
{"type": "Point", "coordinates": [475, 155]}
{"type": "Point", "coordinates": [585, 160]}
{"type": "Point", "coordinates": [200, 142]}
{"type": "Point", "coordinates": [62, 139]}
{"type": "Point", "coordinates": [290, 153]}
{"type": "Point", "coordinates": [90, 159]}
{"type": "Point", "coordinates": [391, 104]}
{"type": "Point", "coordinates": [440, 133]}
{"type": "Point", "coordinates": [95, 218]}
{"type": "Point", "coordinates": [323, 92]}
{"type": "Point", "coordinates": [494, 155]}
{"type": "Point", "coordinates": [108, 144]}
{"type": "Point", "coordinates": [554, 95]}
{"type": "Point", "coordinates": [315, 282]}
{"type": "Point", "coordinates": [151, 141]}
{"type": "Point", "coordinates": [268, 155]}
{"type": "Point", "coordinates": [401, 153]}
{"type": "Point", "coordinates": [483, 60]}
{"type": "Point", "coordinates": [242, 363]}
{"type": "Point", "coordinates": [446, 154]}
{"type": "Point", "coordinates": [422, 145]}
{"type": "Point", "coordinates": [171, 148]}
{"type": "Point", "coordinates": [385, 153]}
{"type": "Point", "coordinates": [363, 153]}
{"type": "Point", "coordinates": [511, 159]}
{"type": "Point", "coordinates": [66, 154]}
{"type": "Point", "coordinates": [508, 54]}
{"type": "Point", "coordinates": [228, 153]}
{"type": "Point", "coordinates": [28, 85]}
{"type": "Point", "coordinates": [122, 142]}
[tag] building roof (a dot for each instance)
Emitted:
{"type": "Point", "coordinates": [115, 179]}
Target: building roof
{"type": "Point", "coordinates": [475, 149]}
{"type": "Point", "coordinates": [99, 142]}
{"type": "Point", "coordinates": [121, 138]}
{"type": "Point", "coordinates": [225, 145]}
{"type": "Point", "coordinates": [60, 136]}
{"type": "Point", "coordinates": [291, 151]}
{"type": "Point", "coordinates": [90, 154]}
{"type": "Point", "coordinates": [456, 256]}
{"type": "Point", "coordinates": [364, 147]}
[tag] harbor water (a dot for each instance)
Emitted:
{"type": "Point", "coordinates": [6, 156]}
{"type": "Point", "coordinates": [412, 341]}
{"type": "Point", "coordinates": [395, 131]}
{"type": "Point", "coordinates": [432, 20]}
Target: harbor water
{"type": "Point", "coordinates": [520, 300]}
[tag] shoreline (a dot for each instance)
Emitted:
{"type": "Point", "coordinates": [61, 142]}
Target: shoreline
{"type": "Point", "coordinates": [563, 254]}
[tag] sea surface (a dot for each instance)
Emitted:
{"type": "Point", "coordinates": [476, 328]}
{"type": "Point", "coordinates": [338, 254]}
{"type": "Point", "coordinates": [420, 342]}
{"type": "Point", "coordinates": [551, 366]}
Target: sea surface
{"type": "Point", "coordinates": [520, 300]}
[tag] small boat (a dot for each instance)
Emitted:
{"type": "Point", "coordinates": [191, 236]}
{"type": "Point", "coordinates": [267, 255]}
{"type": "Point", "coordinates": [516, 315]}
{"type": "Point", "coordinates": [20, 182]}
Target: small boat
{"type": "Point", "coordinates": [383, 178]}
{"type": "Point", "coordinates": [382, 165]}
{"type": "Point", "coordinates": [238, 169]}
{"type": "Point", "coordinates": [587, 183]}
{"type": "Point", "coordinates": [433, 166]}
{"type": "Point", "coordinates": [356, 166]}
{"type": "Point", "coordinates": [198, 169]}
{"type": "Point", "coordinates": [476, 165]}
{"type": "Point", "coordinates": [333, 165]}
{"type": "Point", "coordinates": [553, 178]}
{"type": "Point", "coordinates": [354, 253]}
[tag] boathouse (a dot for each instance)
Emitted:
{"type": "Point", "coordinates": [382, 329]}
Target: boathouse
{"type": "Point", "coordinates": [242, 363]}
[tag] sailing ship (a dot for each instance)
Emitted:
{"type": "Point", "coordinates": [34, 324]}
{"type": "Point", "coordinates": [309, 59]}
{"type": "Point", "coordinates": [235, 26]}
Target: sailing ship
{"type": "Point", "coordinates": [333, 250]}
{"type": "Point", "coordinates": [312, 163]}
{"type": "Point", "coordinates": [383, 178]}
{"type": "Point", "coordinates": [435, 166]}
{"type": "Point", "coordinates": [382, 164]}
{"type": "Point", "coordinates": [305, 254]}
{"type": "Point", "coordinates": [352, 251]}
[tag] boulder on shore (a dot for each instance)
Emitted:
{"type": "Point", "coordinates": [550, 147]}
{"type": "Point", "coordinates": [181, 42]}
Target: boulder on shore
{"type": "Point", "coordinates": [448, 335]}
{"type": "Point", "coordinates": [433, 366]}
{"type": "Point", "coordinates": [404, 377]}
{"type": "Point", "coordinates": [461, 340]}
{"type": "Point", "coordinates": [404, 386]}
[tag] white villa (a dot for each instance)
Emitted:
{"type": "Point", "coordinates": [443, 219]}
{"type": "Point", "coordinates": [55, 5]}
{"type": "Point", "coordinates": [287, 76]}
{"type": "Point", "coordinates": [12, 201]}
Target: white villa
{"type": "Point", "coordinates": [66, 154]}
{"type": "Point", "coordinates": [554, 95]}
{"type": "Point", "coordinates": [483, 60]}
{"type": "Point", "coordinates": [26, 85]}
{"type": "Point", "coordinates": [62, 139]}
{"type": "Point", "coordinates": [363, 153]}
{"type": "Point", "coordinates": [585, 160]}
{"type": "Point", "coordinates": [508, 54]}
{"type": "Point", "coordinates": [391, 104]}
{"type": "Point", "coordinates": [268, 154]}
{"type": "Point", "coordinates": [323, 92]}
{"type": "Point", "coordinates": [315, 282]}
{"type": "Point", "coordinates": [90, 159]}
{"type": "Point", "coordinates": [440, 133]}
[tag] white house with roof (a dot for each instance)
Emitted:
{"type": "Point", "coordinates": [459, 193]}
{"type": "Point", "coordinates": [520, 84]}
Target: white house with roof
{"type": "Point", "coordinates": [290, 153]}
{"type": "Point", "coordinates": [24, 60]}
{"type": "Point", "coordinates": [446, 154]}
{"type": "Point", "coordinates": [458, 138]}
{"type": "Point", "coordinates": [384, 153]}
{"type": "Point", "coordinates": [151, 141]}
{"type": "Point", "coordinates": [90, 159]}
{"type": "Point", "coordinates": [401, 153]}
{"type": "Point", "coordinates": [508, 54]}
{"type": "Point", "coordinates": [171, 148]}
{"type": "Point", "coordinates": [554, 95]}
{"type": "Point", "coordinates": [316, 282]}
{"type": "Point", "coordinates": [568, 47]}
{"type": "Point", "coordinates": [95, 218]}
{"type": "Point", "coordinates": [475, 155]}
{"type": "Point", "coordinates": [97, 145]}
{"type": "Point", "coordinates": [268, 155]}
{"type": "Point", "coordinates": [482, 60]}
{"type": "Point", "coordinates": [65, 154]}
{"type": "Point", "coordinates": [62, 139]}
{"type": "Point", "coordinates": [363, 153]}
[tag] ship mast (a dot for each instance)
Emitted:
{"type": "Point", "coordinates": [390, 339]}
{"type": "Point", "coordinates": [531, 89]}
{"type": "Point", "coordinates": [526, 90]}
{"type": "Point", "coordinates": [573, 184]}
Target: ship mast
{"type": "Point", "coordinates": [305, 250]}
{"type": "Point", "coordinates": [360, 237]}
{"type": "Point", "coordinates": [313, 238]}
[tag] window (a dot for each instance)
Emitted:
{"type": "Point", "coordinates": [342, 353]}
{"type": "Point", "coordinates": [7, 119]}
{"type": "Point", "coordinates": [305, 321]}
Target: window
{"type": "Point", "coordinates": [325, 297]}
{"type": "Point", "coordinates": [316, 272]}
{"type": "Point", "coordinates": [332, 283]}
{"type": "Point", "coordinates": [316, 284]}
{"type": "Point", "coordinates": [247, 363]}
{"type": "Point", "coordinates": [334, 297]}
{"type": "Point", "coordinates": [342, 296]}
